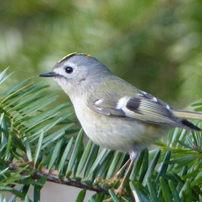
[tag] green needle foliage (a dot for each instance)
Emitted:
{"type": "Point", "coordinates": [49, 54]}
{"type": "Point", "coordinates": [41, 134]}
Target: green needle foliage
{"type": "Point", "coordinates": [37, 145]}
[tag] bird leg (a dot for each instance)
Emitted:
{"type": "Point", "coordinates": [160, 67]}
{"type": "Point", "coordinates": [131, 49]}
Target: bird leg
{"type": "Point", "coordinates": [120, 190]}
{"type": "Point", "coordinates": [133, 156]}
{"type": "Point", "coordinates": [117, 175]}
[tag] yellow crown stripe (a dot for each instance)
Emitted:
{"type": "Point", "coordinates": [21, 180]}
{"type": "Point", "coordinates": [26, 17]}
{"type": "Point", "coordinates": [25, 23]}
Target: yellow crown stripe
{"type": "Point", "coordinates": [74, 53]}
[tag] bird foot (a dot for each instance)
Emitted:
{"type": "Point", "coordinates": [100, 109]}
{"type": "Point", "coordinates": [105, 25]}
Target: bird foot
{"type": "Point", "coordinates": [113, 180]}
{"type": "Point", "coordinates": [110, 181]}
{"type": "Point", "coordinates": [120, 191]}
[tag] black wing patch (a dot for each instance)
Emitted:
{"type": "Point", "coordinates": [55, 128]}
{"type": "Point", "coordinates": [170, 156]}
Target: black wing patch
{"type": "Point", "coordinates": [133, 104]}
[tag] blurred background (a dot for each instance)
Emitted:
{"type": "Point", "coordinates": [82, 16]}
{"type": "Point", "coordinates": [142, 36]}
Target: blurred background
{"type": "Point", "coordinates": [154, 44]}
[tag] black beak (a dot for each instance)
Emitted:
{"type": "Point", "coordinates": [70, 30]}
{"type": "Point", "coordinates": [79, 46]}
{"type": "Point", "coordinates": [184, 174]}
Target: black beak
{"type": "Point", "coordinates": [49, 74]}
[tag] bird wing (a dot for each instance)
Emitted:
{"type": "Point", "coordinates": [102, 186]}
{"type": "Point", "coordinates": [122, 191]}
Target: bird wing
{"type": "Point", "coordinates": [143, 107]}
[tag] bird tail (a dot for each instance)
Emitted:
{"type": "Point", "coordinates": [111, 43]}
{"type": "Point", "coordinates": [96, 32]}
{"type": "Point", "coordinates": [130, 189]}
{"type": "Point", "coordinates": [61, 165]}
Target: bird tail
{"type": "Point", "coordinates": [187, 115]}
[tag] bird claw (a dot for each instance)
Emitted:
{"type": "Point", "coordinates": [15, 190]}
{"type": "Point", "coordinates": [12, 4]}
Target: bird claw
{"type": "Point", "coordinates": [120, 191]}
{"type": "Point", "coordinates": [110, 181]}
{"type": "Point", "coordinates": [113, 180]}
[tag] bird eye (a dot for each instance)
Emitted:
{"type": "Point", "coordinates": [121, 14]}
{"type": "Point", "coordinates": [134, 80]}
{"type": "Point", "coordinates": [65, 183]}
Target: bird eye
{"type": "Point", "coordinates": [69, 70]}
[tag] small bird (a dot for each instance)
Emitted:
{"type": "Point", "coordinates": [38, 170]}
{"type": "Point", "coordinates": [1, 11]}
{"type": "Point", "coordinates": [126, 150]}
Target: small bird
{"type": "Point", "coordinates": [113, 113]}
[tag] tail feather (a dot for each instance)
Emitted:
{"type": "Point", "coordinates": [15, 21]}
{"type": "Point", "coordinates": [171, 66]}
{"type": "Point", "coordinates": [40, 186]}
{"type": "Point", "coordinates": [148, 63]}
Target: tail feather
{"type": "Point", "coordinates": [190, 125]}
{"type": "Point", "coordinates": [183, 115]}
{"type": "Point", "coordinates": [187, 115]}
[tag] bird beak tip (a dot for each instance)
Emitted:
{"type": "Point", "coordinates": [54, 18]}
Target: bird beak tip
{"type": "Point", "coordinates": [49, 74]}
